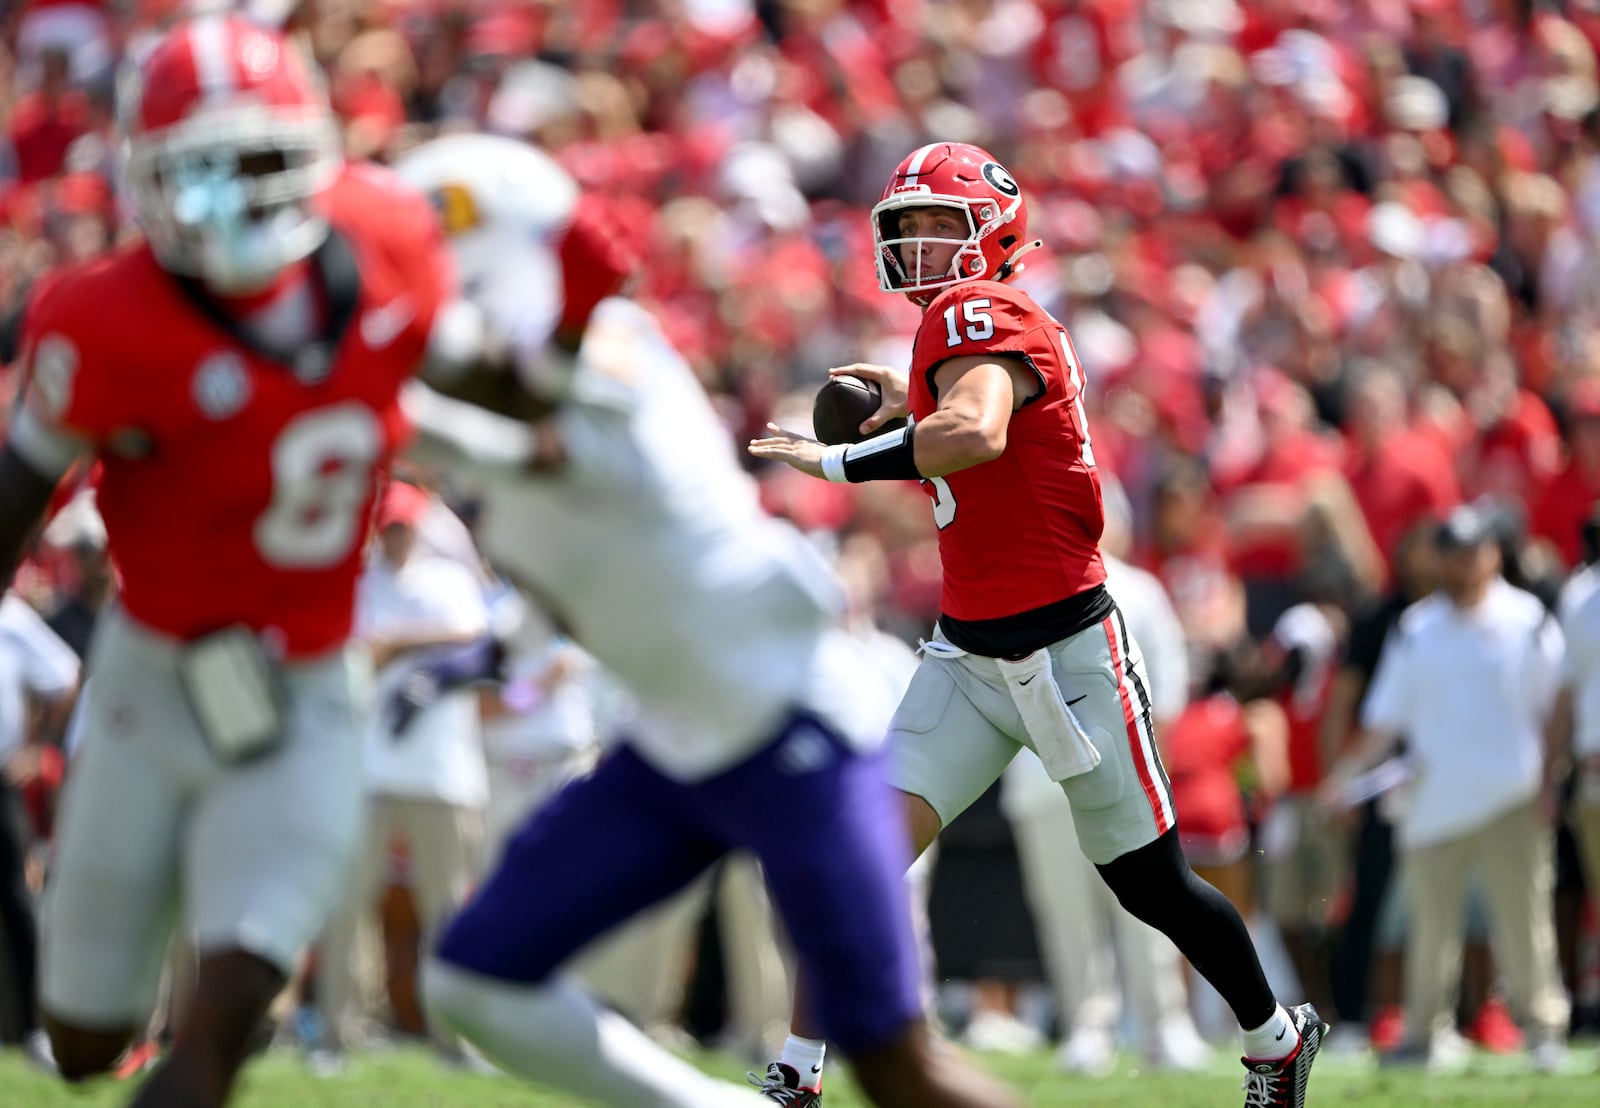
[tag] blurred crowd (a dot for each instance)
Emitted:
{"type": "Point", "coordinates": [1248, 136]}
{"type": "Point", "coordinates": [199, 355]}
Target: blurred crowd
{"type": "Point", "coordinates": [1295, 241]}
{"type": "Point", "coordinates": [1330, 265]}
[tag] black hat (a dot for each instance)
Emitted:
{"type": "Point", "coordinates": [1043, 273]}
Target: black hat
{"type": "Point", "coordinates": [1466, 528]}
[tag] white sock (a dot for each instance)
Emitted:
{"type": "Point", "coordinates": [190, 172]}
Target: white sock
{"type": "Point", "coordinates": [556, 1035]}
{"type": "Point", "coordinates": [805, 1055]}
{"type": "Point", "coordinates": [1274, 1039]}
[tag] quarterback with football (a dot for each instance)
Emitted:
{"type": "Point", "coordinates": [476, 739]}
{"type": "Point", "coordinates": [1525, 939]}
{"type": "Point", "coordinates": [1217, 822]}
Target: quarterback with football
{"type": "Point", "coordinates": [626, 509]}
{"type": "Point", "coordinates": [237, 374]}
{"type": "Point", "coordinates": [1030, 648]}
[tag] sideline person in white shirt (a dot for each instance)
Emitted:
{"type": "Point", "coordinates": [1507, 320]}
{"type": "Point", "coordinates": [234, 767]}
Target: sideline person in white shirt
{"type": "Point", "coordinates": [1576, 734]}
{"type": "Point", "coordinates": [426, 780]}
{"type": "Point", "coordinates": [1470, 677]}
{"type": "Point", "coordinates": [540, 725]}
{"type": "Point", "coordinates": [34, 661]}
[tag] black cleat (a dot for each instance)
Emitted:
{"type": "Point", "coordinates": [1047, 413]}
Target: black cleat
{"type": "Point", "coordinates": [782, 1086]}
{"type": "Point", "coordinates": [1281, 1082]}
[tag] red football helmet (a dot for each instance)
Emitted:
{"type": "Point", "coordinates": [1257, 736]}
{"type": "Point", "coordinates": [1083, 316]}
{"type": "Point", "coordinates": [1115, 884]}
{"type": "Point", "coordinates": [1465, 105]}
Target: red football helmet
{"type": "Point", "coordinates": [228, 141]}
{"type": "Point", "coordinates": [953, 175]}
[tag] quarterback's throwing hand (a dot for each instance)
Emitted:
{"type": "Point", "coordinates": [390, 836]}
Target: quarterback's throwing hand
{"type": "Point", "coordinates": [893, 383]}
{"type": "Point", "coordinates": [805, 454]}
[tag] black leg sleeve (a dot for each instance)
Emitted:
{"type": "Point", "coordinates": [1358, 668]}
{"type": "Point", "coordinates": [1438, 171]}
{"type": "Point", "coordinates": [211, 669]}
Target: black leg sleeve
{"type": "Point", "coordinates": [1156, 885]}
{"type": "Point", "coordinates": [16, 905]}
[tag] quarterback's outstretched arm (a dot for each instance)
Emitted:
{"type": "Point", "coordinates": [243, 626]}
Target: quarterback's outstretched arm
{"type": "Point", "coordinates": [977, 394]}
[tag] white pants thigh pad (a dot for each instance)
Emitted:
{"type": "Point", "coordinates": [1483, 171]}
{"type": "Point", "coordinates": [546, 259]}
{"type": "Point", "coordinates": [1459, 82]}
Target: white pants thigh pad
{"type": "Point", "coordinates": [254, 853]}
{"type": "Point", "coordinates": [957, 728]}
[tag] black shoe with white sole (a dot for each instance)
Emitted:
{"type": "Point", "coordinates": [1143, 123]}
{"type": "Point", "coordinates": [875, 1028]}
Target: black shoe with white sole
{"type": "Point", "coordinates": [1281, 1082]}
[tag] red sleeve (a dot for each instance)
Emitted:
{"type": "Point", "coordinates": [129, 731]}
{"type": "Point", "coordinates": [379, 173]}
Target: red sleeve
{"type": "Point", "coordinates": [425, 261]}
{"type": "Point", "coordinates": [63, 382]}
{"type": "Point", "coordinates": [435, 263]}
{"type": "Point", "coordinates": [596, 261]}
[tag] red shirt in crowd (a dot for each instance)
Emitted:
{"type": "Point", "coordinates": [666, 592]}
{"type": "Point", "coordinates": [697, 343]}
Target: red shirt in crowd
{"type": "Point", "coordinates": [1406, 479]}
{"type": "Point", "coordinates": [1562, 506]}
{"type": "Point", "coordinates": [1513, 457]}
{"type": "Point", "coordinates": [1281, 470]}
{"type": "Point", "coordinates": [41, 130]}
{"type": "Point", "coordinates": [1202, 745]}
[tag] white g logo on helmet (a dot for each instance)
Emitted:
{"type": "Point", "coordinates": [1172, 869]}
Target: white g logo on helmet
{"type": "Point", "coordinates": [996, 175]}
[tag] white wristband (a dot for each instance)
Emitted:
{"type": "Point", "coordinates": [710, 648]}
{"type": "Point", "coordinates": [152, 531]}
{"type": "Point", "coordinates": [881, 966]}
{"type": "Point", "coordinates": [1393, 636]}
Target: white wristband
{"type": "Point", "coordinates": [833, 462]}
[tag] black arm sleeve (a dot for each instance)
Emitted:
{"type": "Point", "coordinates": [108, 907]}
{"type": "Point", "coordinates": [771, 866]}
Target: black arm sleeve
{"type": "Point", "coordinates": [24, 495]}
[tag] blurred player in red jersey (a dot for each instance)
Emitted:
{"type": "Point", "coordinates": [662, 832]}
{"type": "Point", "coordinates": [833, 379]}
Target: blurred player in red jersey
{"type": "Point", "coordinates": [1030, 648]}
{"type": "Point", "coordinates": [237, 375]}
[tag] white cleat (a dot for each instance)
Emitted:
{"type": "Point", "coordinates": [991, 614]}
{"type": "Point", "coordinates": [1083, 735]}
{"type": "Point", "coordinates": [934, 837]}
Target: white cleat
{"type": "Point", "coordinates": [36, 1049]}
{"type": "Point", "coordinates": [1089, 1051]}
{"type": "Point", "coordinates": [998, 1033]}
{"type": "Point", "coordinates": [1179, 1047]}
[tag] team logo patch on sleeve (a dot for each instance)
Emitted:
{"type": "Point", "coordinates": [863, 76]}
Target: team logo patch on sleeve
{"type": "Point", "coordinates": [221, 385]}
{"type": "Point", "coordinates": [55, 363]}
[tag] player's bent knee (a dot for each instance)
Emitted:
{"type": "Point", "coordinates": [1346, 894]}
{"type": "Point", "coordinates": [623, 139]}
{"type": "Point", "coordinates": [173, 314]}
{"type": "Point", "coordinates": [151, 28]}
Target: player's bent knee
{"type": "Point", "coordinates": [922, 822]}
{"type": "Point", "coordinates": [81, 1054]}
{"type": "Point", "coordinates": [441, 987]}
{"type": "Point", "coordinates": [450, 994]}
{"type": "Point", "coordinates": [478, 1007]}
{"type": "Point", "coordinates": [1152, 883]}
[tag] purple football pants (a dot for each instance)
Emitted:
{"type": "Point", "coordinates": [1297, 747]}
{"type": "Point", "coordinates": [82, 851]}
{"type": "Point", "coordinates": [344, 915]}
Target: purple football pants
{"type": "Point", "coordinates": [821, 819]}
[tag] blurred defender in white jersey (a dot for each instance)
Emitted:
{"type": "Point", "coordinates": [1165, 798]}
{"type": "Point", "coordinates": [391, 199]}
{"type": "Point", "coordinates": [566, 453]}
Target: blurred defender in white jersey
{"type": "Point", "coordinates": [626, 510]}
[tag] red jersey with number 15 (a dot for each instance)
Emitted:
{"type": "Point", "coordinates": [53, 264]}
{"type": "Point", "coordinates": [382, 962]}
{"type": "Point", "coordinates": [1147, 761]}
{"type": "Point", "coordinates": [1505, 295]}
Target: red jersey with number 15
{"type": "Point", "coordinates": [1021, 531]}
{"type": "Point", "coordinates": [238, 489]}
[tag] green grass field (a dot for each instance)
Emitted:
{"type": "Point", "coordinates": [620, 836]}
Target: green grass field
{"type": "Point", "coordinates": [410, 1079]}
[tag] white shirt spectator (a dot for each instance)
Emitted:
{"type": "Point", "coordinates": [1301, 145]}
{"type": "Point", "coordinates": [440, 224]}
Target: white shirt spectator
{"type": "Point", "coordinates": [33, 659]}
{"type": "Point", "coordinates": [439, 755]}
{"type": "Point", "coordinates": [544, 723]}
{"type": "Point", "coordinates": [1471, 691]}
{"type": "Point", "coordinates": [1579, 587]}
{"type": "Point", "coordinates": [441, 533]}
{"type": "Point", "coordinates": [1581, 623]}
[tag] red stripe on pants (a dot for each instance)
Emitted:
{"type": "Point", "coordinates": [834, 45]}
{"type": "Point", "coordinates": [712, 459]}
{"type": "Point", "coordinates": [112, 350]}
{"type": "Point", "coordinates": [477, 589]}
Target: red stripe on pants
{"type": "Point", "coordinates": [1147, 777]}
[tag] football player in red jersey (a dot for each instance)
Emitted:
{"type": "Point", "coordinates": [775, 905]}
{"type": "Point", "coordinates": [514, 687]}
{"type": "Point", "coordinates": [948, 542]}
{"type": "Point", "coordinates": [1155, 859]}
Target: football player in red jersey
{"type": "Point", "coordinates": [1030, 648]}
{"type": "Point", "coordinates": [237, 374]}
